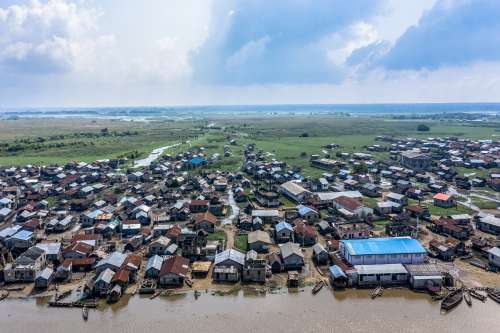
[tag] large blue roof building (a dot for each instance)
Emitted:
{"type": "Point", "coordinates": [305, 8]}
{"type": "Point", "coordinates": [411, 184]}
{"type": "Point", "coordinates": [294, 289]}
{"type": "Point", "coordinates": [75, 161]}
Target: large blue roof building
{"type": "Point", "coordinates": [376, 251]}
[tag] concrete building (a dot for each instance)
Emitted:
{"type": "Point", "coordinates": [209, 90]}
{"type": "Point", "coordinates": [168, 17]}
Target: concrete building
{"type": "Point", "coordinates": [414, 159]}
{"type": "Point", "coordinates": [294, 191]}
{"type": "Point", "coordinates": [380, 251]}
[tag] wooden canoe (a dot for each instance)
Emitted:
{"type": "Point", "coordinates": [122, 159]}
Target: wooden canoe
{"type": "Point", "coordinates": [452, 300]}
{"type": "Point", "coordinates": [494, 295]}
{"type": "Point", "coordinates": [467, 298]}
{"type": "Point", "coordinates": [317, 287]}
{"type": "Point", "coordinates": [477, 295]}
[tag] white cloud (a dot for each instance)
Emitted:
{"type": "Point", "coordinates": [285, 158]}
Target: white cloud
{"type": "Point", "coordinates": [47, 36]}
{"type": "Point", "coordinates": [356, 36]}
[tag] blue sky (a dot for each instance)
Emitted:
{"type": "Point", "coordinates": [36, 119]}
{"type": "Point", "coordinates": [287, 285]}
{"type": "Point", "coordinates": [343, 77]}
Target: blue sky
{"type": "Point", "coordinates": [181, 52]}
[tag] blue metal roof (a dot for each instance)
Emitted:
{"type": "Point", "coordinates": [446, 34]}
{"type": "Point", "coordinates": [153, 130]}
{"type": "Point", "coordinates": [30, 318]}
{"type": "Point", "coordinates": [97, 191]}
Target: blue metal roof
{"type": "Point", "coordinates": [23, 235]}
{"type": "Point", "coordinates": [283, 225]}
{"type": "Point", "coordinates": [377, 246]}
{"type": "Point", "coordinates": [337, 272]}
{"type": "Point", "coordinates": [303, 210]}
{"type": "Point", "coordinates": [197, 161]}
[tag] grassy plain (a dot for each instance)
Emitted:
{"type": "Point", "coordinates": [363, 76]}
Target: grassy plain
{"type": "Point", "coordinates": [284, 137]}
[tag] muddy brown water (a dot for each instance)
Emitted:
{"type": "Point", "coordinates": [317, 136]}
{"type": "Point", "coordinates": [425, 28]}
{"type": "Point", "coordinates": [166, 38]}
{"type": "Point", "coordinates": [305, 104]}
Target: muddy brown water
{"type": "Point", "coordinates": [347, 311]}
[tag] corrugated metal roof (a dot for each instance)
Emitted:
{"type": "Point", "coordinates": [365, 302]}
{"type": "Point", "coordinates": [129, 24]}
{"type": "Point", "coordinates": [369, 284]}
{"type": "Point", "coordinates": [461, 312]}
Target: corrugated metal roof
{"type": "Point", "coordinates": [378, 246]}
{"type": "Point", "coordinates": [380, 269]}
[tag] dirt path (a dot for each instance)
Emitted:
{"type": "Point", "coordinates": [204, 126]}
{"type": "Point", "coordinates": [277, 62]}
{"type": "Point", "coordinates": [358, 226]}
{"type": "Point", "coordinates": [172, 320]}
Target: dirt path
{"type": "Point", "coordinates": [229, 231]}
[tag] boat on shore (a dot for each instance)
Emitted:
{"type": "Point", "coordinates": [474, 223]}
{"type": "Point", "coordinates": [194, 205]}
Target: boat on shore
{"type": "Point", "coordinates": [4, 294]}
{"type": "Point", "coordinates": [477, 295]}
{"type": "Point", "coordinates": [377, 292]}
{"type": "Point", "coordinates": [494, 294]}
{"type": "Point", "coordinates": [468, 298]}
{"type": "Point", "coordinates": [318, 287]}
{"type": "Point", "coordinates": [452, 300]}
{"type": "Point", "coordinates": [85, 313]}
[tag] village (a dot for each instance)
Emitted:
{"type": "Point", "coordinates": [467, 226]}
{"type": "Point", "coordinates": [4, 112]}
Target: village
{"type": "Point", "coordinates": [88, 233]}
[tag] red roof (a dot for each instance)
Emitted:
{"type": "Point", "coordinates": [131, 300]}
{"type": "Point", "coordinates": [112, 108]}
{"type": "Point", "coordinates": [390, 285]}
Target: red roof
{"type": "Point", "coordinates": [174, 231]}
{"type": "Point", "coordinates": [79, 247]}
{"type": "Point", "coordinates": [348, 203]}
{"type": "Point", "coordinates": [175, 265]}
{"type": "Point", "coordinates": [199, 202]}
{"type": "Point", "coordinates": [134, 260]}
{"type": "Point", "coordinates": [202, 217]}
{"type": "Point", "coordinates": [121, 276]}
{"type": "Point", "coordinates": [304, 229]}
{"type": "Point", "coordinates": [79, 262]}
{"type": "Point", "coordinates": [442, 196]}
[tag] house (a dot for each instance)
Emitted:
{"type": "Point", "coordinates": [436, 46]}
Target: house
{"type": "Point", "coordinates": [44, 278]}
{"type": "Point", "coordinates": [324, 227]}
{"type": "Point", "coordinates": [304, 234]}
{"type": "Point", "coordinates": [228, 266]}
{"type": "Point", "coordinates": [370, 190]}
{"type": "Point", "coordinates": [113, 261]}
{"type": "Point", "coordinates": [159, 246]}
{"type": "Point", "coordinates": [204, 221]}
{"type": "Point", "coordinates": [452, 228]}
{"type": "Point", "coordinates": [153, 267]}
{"type": "Point", "coordinates": [425, 277]}
{"type": "Point", "coordinates": [26, 267]}
{"type": "Point", "coordinates": [21, 240]}
{"type": "Point", "coordinates": [371, 251]}
{"type": "Point", "coordinates": [320, 255]}
{"type": "Point", "coordinates": [494, 257]}
{"type": "Point", "coordinates": [444, 200]}
{"type": "Point", "coordinates": [103, 282]}
{"type": "Point", "coordinates": [268, 216]}
{"type": "Point", "coordinates": [379, 274]}
{"type": "Point", "coordinates": [338, 279]}
{"type": "Point", "coordinates": [5, 214]}
{"type": "Point", "coordinates": [174, 271]}
{"type": "Point", "coordinates": [77, 250]}
{"type": "Point", "coordinates": [52, 251]}
{"type": "Point", "coordinates": [414, 159]}
{"type": "Point", "coordinates": [294, 191]}
{"type": "Point", "coordinates": [201, 268]}
{"type": "Point", "coordinates": [326, 199]}
{"type": "Point", "coordinates": [291, 256]}
{"type": "Point", "coordinates": [254, 269]}
{"type": "Point", "coordinates": [259, 241]}
{"type": "Point", "coordinates": [351, 208]}
{"type": "Point", "coordinates": [275, 262]}
{"type": "Point", "coordinates": [307, 213]}
{"type": "Point", "coordinates": [284, 232]}
{"type": "Point", "coordinates": [387, 207]}
{"type": "Point", "coordinates": [199, 206]}
{"type": "Point", "coordinates": [442, 250]}
{"type": "Point", "coordinates": [267, 198]}
{"type": "Point", "coordinates": [357, 230]}
{"type": "Point", "coordinates": [489, 224]}
{"type": "Point", "coordinates": [418, 212]}
{"type": "Point", "coordinates": [397, 198]}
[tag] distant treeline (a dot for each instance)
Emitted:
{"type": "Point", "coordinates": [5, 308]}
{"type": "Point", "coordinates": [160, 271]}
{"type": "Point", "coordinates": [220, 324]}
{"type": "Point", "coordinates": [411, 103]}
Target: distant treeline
{"type": "Point", "coordinates": [446, 115]}
{"type": "Point", "coordinates": [58, 141]}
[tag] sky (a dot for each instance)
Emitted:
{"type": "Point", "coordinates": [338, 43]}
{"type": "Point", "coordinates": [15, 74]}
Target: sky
{"type": "Point", "coordinates": [83, 53]}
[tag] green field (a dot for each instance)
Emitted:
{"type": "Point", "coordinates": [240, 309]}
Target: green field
{"type": "Point", "coordinates": [241, 242]}
{"type": "Point", "coordinates": [292, 138]}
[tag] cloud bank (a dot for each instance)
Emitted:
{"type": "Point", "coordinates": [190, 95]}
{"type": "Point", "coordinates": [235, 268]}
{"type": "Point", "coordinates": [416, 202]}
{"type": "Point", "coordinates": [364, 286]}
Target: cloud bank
{"type": "Point", "coordinates": [155, 52]}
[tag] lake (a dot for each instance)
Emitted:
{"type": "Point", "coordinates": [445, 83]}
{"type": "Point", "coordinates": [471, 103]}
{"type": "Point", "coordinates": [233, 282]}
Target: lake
{"type": "Point", "coordinates": [347, 311]}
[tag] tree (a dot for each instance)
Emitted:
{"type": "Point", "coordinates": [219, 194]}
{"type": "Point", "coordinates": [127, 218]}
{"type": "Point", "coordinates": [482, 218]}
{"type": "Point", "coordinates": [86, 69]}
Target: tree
{"type": "Point", "coordinates": [304, 135]}
{"type": "Point", "coordinates": [360, 168]}
{"type": "Point", "coordinates": [423, 128]}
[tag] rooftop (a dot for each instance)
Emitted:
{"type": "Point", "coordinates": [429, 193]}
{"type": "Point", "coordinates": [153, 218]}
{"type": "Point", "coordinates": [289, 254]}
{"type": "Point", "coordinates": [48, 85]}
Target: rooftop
{"type": "Point", "coordinates": [378, 246]}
